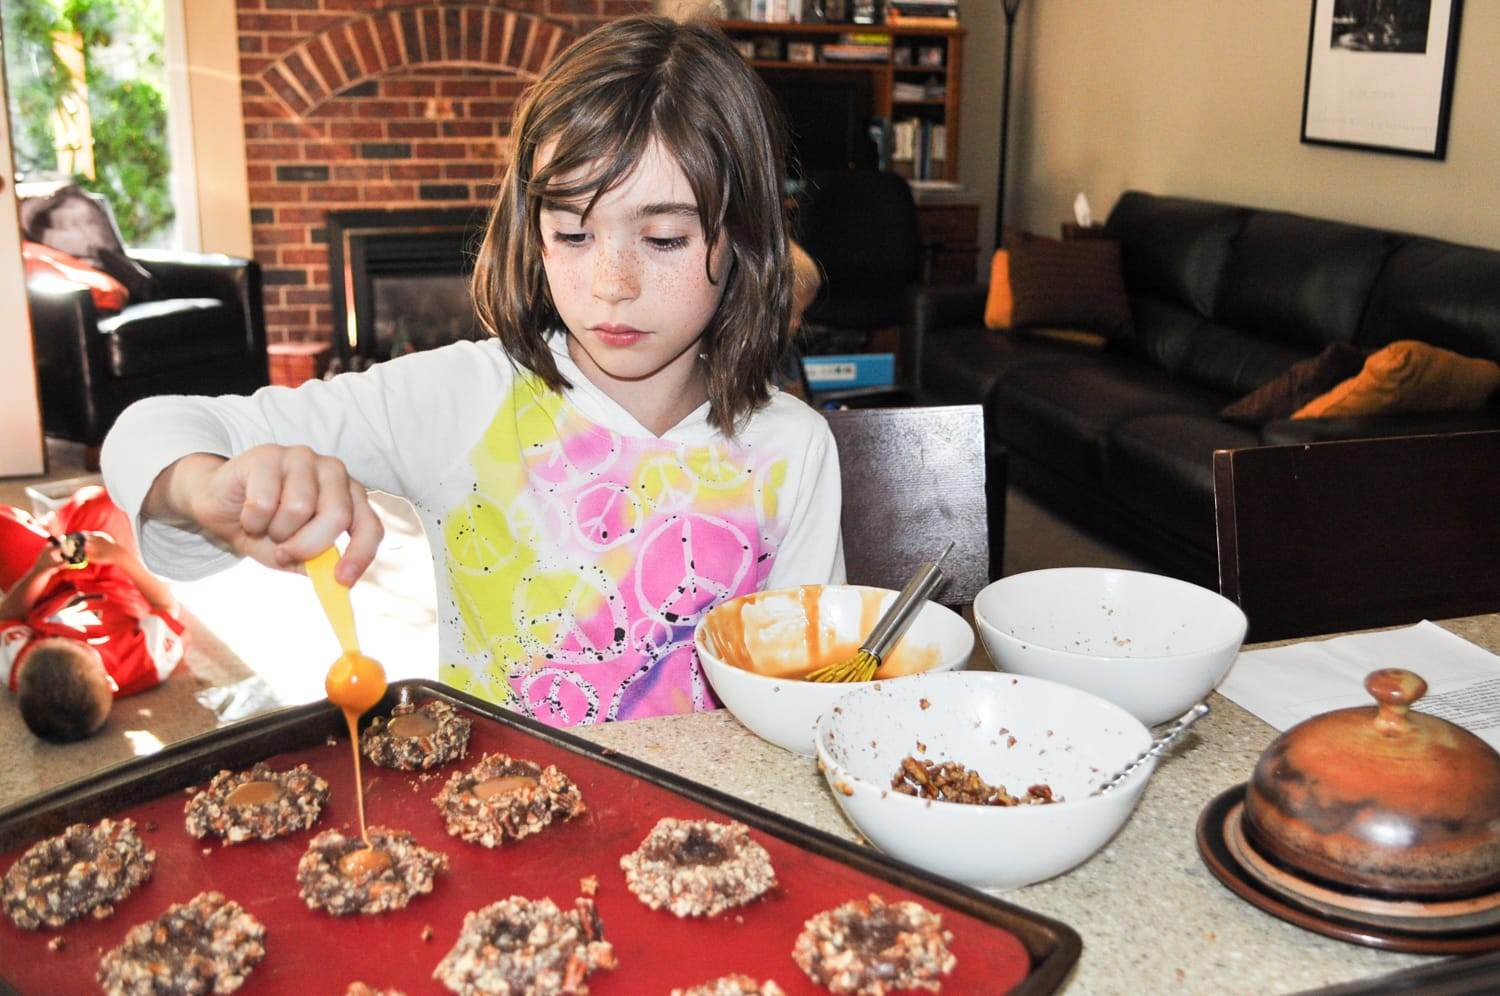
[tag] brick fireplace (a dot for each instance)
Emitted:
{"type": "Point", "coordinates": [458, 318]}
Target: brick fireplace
{"type": "Point", "coordinates": [361, 105]}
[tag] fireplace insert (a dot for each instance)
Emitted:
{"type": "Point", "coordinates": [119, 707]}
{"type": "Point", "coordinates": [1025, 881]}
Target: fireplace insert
{"type": "Point", "coordinates": [399, 280]}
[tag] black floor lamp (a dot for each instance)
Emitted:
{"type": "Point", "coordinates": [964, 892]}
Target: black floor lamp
{"type": "Point", "coordinates": [1012, 8]}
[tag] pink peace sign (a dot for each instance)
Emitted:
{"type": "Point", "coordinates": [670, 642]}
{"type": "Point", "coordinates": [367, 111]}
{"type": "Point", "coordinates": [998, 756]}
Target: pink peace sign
{"type": "Point", "coordinates": [688, 564]}
{"type": "Point", "coordinates": [559, 697]}
{"type": "Point", "coordinates": [606, 515]}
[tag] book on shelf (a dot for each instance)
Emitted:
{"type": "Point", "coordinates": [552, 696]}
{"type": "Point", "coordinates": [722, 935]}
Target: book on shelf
{"type": "Point", "coordinates": [920, 146]}
{"type": "Point", "coordinates": [922, 13]}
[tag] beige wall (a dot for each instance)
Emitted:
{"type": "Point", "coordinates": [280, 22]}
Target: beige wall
{"type": "Point", "coordinates": [211, 65]}
{"type": "Point", "coordinates": [21, 450]}
{"type": "Point", "coordinates": [1203, 98]}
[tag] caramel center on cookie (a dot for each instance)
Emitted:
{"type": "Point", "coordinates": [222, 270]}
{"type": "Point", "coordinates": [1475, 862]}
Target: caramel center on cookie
{"type": "Point", "coordinates": [413, 724]}
{"type": "Point", "coordinates": [256, 793]}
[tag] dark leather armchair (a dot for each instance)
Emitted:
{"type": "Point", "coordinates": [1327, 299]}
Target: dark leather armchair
{"type": "Point", "coordinates": [202, 331]}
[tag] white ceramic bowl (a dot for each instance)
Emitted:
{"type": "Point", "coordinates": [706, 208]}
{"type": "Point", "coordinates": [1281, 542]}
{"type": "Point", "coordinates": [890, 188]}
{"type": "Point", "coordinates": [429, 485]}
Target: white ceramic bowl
{"type": "Point", "coordinates": [1065, 738]}
{"type": "Point", "coordinates": [770, 632]}
{"type": "Point", "coordinates": [1152, 644]}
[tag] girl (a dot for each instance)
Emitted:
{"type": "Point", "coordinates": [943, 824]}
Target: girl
{"type": "Point", "coordinates": [607, 467]}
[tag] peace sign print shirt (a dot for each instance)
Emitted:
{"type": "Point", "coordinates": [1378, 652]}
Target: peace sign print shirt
{"type": "Point", "coordinates": [574, 551]}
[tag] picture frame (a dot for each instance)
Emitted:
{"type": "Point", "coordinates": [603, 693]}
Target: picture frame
{"type": "Point", "coordinates": [1380, 75]}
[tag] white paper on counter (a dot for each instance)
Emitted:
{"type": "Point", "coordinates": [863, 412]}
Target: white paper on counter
{"type": "Point", "coordinates": [1285, 685]}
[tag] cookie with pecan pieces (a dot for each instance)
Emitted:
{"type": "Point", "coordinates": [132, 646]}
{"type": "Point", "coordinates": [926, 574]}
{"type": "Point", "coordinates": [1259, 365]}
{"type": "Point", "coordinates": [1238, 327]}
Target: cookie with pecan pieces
{"type": "Point", "coordinates": [259, 804]}
{"type": "Point", "coordinates": [417, 737]}
{"type": "Point", "coordinates": [698, 867]}
{"type": "Point", "coordinates": [503, 798]}
{"type": "Point", "coordinates": [206, 945]}
{"type": "Point", "coordinates": [871, 947]}
{"type": "Point", "coordinates": [83, 870]}
{"type": "Point", "coordinates": [520, 945]}
{"type": "Point", "coordinates": [334, 877]}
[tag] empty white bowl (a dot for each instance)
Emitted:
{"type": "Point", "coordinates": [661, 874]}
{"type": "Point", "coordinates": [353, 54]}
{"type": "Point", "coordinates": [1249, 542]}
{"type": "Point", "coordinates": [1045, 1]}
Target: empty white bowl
{"type": "Point", "coordinates": [1014, 731]}
{"type": "Point", "coordinates": [753, 648]}
{"type": "Point", "coordinates": [1152, 644]}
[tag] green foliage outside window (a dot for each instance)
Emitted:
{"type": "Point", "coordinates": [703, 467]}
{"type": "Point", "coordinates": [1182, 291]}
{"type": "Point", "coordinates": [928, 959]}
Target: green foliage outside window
{"type": "Point", "coordinates": [123, 70]}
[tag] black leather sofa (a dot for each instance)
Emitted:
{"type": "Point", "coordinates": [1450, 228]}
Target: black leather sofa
{"type": "Point", "coordinates": [202, 331]}
{"type": "Point", "coordinates": [1223, 299]}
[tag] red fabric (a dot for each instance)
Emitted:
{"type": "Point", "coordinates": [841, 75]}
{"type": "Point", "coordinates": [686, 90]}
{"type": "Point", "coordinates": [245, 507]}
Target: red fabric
{"type": "Point", "coordinates": [98, 604]}
{"type": "Point", "coordinates": [109, 294]}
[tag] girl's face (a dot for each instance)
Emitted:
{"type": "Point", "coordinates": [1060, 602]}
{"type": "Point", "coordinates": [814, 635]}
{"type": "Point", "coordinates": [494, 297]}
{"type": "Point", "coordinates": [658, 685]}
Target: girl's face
{"type": "Point", "coordinates": [630, 282]}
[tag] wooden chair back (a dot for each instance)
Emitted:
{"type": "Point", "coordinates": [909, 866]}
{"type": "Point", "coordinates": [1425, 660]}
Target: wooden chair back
{"type": "Point", "coordinates": [1329, 537]}
{"type": "Point", "coordinates": [913, 479]}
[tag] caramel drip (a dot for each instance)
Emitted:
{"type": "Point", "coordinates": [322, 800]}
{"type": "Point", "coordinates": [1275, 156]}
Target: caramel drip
{"type": "Point", "coordinates": [254, 793]}
{"type": "Point", "coordinates": [364, 862]}
{"type": "Point", "coordinates": [503, 785]}
{"type": "Point", "coordinates": [811, 598]}
{"type": "Point", "coordinates": [869, 613]}
{"type": "Point", "coordinates": [352, 718]}
{"type": "Point", "coordinates": [413, 724]}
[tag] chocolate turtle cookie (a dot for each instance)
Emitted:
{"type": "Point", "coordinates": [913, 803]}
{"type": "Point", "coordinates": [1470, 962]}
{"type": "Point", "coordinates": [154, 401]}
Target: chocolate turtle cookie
{"type": "Point", "coordinates": [503, 798]}
{"type": "Point", "coordinates": [83, 870]}
{"type": "Point", "coordinates": [340, 874]}
{"type": "Point", "coordinates": [257, 804]}
{"type": "Point", "coordinates": [733, 985]}
{"type": "Point", "coordinates": [871, 947]}
{"type": "Point", "coordinates": [206, 945]}
{"type": "Point", "coordinates": [520, 945]}
{"type": "Point", "coordinates": [698, 867]}
{"type": "Point", "coordinates": [417, 737]}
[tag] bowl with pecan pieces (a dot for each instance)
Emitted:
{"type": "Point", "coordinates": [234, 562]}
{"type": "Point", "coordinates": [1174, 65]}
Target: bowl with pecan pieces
{"type": "Point", "coordinates": [982, 777]}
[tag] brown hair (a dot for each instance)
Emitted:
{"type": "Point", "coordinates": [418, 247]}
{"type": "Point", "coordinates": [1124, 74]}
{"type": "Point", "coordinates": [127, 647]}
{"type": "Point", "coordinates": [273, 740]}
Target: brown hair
{"type": "Point", "coordinates": [62, 690]}
{"type": "Point", "coordinates": [604, 101]}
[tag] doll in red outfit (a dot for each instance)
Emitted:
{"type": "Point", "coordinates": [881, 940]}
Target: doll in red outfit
{"type": "Point", "coordinates": [82, 620]}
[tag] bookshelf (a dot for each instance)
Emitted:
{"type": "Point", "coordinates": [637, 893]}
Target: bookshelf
{"type": "Point", "coordinates": [913, 72]}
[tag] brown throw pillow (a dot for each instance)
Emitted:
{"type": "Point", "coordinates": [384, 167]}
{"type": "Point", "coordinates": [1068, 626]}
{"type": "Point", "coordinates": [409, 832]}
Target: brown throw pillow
{"type": "Point", "coordinates": [1409, 378]}
{"type": "Point", "coordinates": [1074, 285]}
{"type": "Point", "coordinates": [1299, 384]}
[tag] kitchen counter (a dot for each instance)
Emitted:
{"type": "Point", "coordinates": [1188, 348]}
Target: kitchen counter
{"type": "Point", "coordinates": [1151, 916]}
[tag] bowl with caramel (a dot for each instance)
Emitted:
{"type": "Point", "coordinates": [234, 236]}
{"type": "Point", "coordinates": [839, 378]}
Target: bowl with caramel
{"type": "Point", "coordinates": [758, 649]}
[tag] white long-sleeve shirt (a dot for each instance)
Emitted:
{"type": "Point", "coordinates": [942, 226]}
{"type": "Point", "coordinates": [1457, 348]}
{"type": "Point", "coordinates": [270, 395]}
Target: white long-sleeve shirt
{"type": "Point", "coordinates": [574, 550]}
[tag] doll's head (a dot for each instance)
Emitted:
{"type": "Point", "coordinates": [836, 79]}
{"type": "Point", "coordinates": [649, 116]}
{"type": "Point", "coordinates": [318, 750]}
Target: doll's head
{"type": "Point", "coordinates": [63, 690]}
{"type": "Point", "coordinates": [631, 86]}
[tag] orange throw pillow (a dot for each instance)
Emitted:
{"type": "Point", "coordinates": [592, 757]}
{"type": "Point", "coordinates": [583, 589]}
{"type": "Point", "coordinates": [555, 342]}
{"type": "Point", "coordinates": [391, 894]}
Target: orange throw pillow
{"type": "Point", "coordinates": [108, 293]}
{"type": "Point", "coordinates": [997, 307]}
{"type": "Point", "coordinates": [1408, 378]}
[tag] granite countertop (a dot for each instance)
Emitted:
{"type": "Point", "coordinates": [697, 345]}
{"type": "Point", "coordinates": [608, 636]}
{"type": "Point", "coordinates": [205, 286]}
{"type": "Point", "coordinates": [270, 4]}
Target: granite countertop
{"type": "Point", "coordinates": [1152, 917]}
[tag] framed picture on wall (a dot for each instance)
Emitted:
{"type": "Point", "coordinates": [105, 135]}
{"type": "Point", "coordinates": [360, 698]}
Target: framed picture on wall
{"type": "Point", "coordinates": [1380, 75]}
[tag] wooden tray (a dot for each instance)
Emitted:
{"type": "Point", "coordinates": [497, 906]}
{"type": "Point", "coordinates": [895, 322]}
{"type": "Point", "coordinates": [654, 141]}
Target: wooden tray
{"type": "Point", "coordinates": [998, 946]}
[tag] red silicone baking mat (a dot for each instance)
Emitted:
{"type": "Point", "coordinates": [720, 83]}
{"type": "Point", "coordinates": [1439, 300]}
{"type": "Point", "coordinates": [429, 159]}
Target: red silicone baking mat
{"type": "Point", "coordinates": [998, 947]}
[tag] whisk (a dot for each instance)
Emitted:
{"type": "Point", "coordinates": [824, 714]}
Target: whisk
{"type": "Point", "coordinates": [892, 625]}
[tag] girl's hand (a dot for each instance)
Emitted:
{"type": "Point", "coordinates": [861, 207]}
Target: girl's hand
{"type": "Point", "coordinates": [280, 505]}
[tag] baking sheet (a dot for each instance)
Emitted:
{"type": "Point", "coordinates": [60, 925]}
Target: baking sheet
{"type": "Point", "coordinates": [998, 946]}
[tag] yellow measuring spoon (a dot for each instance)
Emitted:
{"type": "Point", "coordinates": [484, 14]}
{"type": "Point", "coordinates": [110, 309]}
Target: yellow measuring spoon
{"type": "Point", "coordinates": [355, 682]}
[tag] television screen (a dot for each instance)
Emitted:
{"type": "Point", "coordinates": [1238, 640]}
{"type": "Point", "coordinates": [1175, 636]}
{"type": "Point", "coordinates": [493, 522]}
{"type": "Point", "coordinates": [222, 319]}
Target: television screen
{"type": "Point", "coordinates": [828, 115]}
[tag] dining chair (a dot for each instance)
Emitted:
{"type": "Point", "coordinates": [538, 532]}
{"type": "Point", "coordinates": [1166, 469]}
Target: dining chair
{"type": "Point", "coordinates": [1329, 537]}
{"type": "Point", "coordinates": [913, 479]}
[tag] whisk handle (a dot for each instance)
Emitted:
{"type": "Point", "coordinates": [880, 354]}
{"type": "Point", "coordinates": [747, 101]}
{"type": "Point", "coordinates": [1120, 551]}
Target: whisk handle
{"type": "Point", "coordinates": [898, 618]}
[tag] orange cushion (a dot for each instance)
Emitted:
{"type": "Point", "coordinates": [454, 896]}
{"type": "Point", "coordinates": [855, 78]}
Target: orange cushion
{"type": "Point", "coordinates": [108, 293]}
{"type": "Point", "coordinates": [997, 307]}
{"type": "Point", "coordinates": [1409, 377]}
